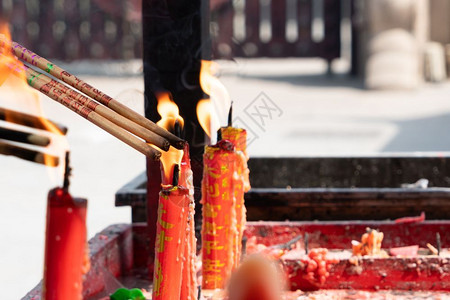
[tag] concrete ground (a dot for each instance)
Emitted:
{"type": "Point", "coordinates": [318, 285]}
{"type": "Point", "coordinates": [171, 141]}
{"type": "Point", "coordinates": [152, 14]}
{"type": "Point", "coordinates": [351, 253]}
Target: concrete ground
{"type": "Point", "coordinates": [290, 108]}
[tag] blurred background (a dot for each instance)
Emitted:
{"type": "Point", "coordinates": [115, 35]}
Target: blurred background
{"type": "Point", "coordinates": [307, 77]}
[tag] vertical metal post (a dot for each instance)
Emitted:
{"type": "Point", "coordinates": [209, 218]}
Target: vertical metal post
{"type": "Point", "coordinates": [175, 39]}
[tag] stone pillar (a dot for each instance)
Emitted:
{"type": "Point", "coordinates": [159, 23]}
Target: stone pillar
{"type": "Point", "coordinates": [396, 32]}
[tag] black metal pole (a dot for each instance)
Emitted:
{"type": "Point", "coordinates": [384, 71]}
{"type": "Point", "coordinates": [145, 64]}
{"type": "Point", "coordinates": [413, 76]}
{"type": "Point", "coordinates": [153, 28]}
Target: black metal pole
{"type": "Point", "coordinates": [175, 40]}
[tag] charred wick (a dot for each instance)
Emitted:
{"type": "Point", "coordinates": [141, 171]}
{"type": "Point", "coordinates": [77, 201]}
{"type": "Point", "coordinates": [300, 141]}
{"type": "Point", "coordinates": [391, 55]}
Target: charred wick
{"type": "Point", "coordinates": [177, 130]}
{"type": "Point", "coordinates": [176, 175]}
{"type": "Point", "coordinates": [67, 171]}
{"type": "Point", "coordinates": [306, 243]}
{"type": "Point", "coordinates": [219, 135]}
{"type": "Point", "coordinates": [230, 115]}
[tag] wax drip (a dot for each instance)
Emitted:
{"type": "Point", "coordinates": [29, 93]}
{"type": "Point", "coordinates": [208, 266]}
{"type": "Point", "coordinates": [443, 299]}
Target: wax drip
{"type": "Point", "coordinates": [67, 171]}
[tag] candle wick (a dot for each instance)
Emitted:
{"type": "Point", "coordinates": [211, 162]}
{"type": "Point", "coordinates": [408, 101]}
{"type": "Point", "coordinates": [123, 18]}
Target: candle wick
{"type": "Point", "coordinates": [199, 295]}
{"type": "Point", "coordinates": [177, 130]}
{"type": "Point", "coordinates": [219, 135]}
{"type": "Point", "coordinates": [176, 175]}
{"type": "Point", "coordinates": [438, 243]}
{"type": "Point", "coordinates": [67, 171]}
{"type": "Point", "coordinates": [230, 115]}
{"type": "Point", "coordinates": [306, 242]}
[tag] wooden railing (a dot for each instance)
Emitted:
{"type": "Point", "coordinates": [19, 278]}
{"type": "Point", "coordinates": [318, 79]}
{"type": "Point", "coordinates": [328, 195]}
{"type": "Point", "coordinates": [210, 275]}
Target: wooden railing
{"type": "Point", "coordinates": [277, 28]}
{"type": "Point", "coordinates": [69, 29]}
{"type": "Point", "coordinates": [112, 29]}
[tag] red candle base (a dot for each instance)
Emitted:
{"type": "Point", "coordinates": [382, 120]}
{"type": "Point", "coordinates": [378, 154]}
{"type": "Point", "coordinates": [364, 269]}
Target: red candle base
{"type": "Point", "coordinates": [170, 241]}
{"type": "Point", "coordinates": [65, 246]}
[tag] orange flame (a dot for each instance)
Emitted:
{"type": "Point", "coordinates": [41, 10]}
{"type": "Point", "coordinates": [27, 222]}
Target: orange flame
{"type": "Point", "coordinates": [170, 114]}
{"type": "Point", "coordinates": [206, 116]}
{"type": "Point", "coordinates": [17, 95]}
{"type": "Point", "coordinates": [212, 113]}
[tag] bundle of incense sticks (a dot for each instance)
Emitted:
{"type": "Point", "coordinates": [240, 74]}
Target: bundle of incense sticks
{"type": "Point", "coordinates": [30, 121]}
{"type": "Point", "coordinates": [13, 141]}
{"type": "Point", "coordinates": [92, 104]}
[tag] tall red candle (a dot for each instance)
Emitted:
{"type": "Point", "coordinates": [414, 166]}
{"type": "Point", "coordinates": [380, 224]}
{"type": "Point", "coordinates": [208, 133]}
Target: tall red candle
{"type": "Point", "coordinates": [238, 137]}
{"type": "Point", "coordinates": [170, 240]}
{"type": "Point", "coordinates": [189, 276]}
{"type": "Point", "coordinates": [65, 246]}
{"type": "Point", "coordinates": [219, 220]}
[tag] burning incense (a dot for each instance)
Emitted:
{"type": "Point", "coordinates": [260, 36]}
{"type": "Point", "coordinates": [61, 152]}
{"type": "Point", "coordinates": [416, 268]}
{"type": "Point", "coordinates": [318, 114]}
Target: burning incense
{"type": "Point", "coordinates": [40, 84]}
{"type": "Point", "coordinates": [138, 130]}
{"type": "Point", "coordinates": [24, 137]}
{"type": "Point", "coordinates": [28, 120]}
{"type": "Point", "coordinates": [30, 155]}
{"type": "Point", "coordinates": [43, 64]}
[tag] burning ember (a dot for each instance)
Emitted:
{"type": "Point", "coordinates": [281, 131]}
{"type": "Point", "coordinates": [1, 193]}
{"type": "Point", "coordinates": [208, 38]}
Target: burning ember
{"type": "Point", "coordinates": [94, 105]}
{"type": "Point", "coordinates": [21, 130]}
{"type": "Point", "coordinates": [171, 121]}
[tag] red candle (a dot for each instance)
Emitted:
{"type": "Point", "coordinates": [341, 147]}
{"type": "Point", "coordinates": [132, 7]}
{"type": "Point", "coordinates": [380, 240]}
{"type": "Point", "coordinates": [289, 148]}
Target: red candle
{"type": "Point", "coordinates": [170, 241]}
{"type": "Point", "coordinates": [189, 276]}
{"type": "Point", "coordinates": [65, 246]}
{"type": "Point", "coordinates": [238, 137]}
{"type": "Point", "coordinates": [219, 214]}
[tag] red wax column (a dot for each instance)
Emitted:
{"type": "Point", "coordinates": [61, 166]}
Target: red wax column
{"type": "Point", "coordinates": [170, 240]}
{"type": "Point", "coordinates": [189, 276]}
{"type": "Point", "coordinates": [65, 246]}
{"type": "Point", "coordinates": [219, 214]}
{"type": "Point", "coordinates": [238, 137]}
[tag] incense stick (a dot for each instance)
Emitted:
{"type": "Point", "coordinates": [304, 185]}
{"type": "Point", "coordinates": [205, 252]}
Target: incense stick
{"type": "Point", "coordinates": [31, 121]}
{"type": "Point", "coordinates": [92, 92]}
{"type": "Point", "coordinates": [136, 129]}
{"type": "Point", "coordinates": [39, 84]}
{"type": "Point", "coordinates": [24, 137]}
{"type": "Point", "coordinates": [30, 155]}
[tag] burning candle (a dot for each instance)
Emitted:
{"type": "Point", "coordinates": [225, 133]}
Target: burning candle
{"type": "Point", "coordinates": [219, 214]}
{"type": "Point", "coordinates": [225, 179]}
{"type": "Point", "coordinates": [65, 245]}
{"type": "Point", "coordinates": [174, 272]}
{"type": "Point", "coordinates": [170, 242]}
{"type": "Point", "coordinates": [238, 137]}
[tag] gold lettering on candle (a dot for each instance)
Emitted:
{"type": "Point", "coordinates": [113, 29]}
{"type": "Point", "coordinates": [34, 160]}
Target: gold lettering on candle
{"type": "Point", "coordinates": [158, 279]}
{"type": "Point", "coordinates": [164, 224]}
{"type": "Point", "coordinates": [212, 245]}
{"type": "Point", "coordinates": [211, 210]}
{"type": "Point", "coordinates": [160, 239]}
{"type": "Point", "coordinates": [213, 190]}
{"type": "Point", "coordinates": [211, 228]}
{"type": "Point", "coordinates": [212, 265]}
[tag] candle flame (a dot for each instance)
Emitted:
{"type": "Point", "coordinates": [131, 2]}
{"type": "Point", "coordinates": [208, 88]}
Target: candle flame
{"type": "Point", "coordinates": [170, 114]}
{"type": "Point", "coordinates": [16, 95]}
{"type": "Point", "coordinates": [207, 117]}
{"type": "Point", "coordinates": [220, 102]}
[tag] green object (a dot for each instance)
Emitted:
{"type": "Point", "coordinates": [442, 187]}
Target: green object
{"type": "Point", "coordinates": [126, 294]}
